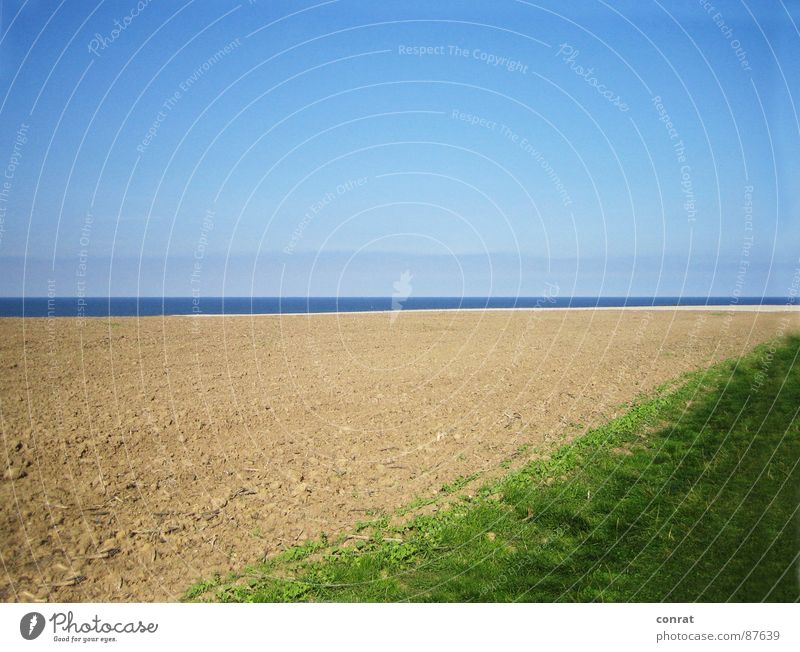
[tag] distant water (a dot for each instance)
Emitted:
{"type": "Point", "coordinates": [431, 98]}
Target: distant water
{"type": "Point", "coordinates": [152, 306]}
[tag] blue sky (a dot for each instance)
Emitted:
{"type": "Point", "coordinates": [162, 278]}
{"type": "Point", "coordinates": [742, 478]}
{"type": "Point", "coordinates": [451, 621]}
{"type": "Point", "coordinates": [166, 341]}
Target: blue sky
{"type": "Point", "coordinates": [324, 148]}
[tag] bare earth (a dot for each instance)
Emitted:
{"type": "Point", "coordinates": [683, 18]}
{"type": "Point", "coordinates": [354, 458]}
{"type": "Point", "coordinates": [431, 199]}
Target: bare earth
{"type": "Point", "coordinates": [141, 455]}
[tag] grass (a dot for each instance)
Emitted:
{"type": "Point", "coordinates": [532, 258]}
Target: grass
{"type": "Point", "coordinates": [691, 495]}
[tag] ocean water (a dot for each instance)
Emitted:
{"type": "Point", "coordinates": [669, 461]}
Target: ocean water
{"type": "Point", "coordinates": [153, 306]}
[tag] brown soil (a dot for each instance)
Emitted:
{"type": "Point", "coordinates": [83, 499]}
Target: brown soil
{"type": "Point", "coordinates": [141, 455]}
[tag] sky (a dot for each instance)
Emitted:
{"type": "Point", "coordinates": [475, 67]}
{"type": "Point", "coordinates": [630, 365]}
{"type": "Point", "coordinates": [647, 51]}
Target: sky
{"type": "Point", "coordinates": [486, 148]}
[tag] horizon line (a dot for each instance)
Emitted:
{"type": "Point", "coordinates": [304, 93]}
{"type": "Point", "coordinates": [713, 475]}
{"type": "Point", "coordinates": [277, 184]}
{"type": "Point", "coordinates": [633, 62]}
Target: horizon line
{"type": "Point", "coordinates": [420, 296]}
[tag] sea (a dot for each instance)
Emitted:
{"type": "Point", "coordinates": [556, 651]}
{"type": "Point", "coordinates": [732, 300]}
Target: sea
{"type": "Point", "coordinates": [157, 306]}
